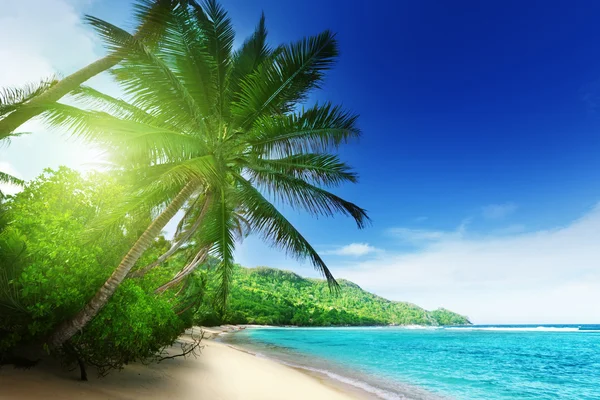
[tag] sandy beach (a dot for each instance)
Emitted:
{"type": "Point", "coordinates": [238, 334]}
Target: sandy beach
{"type": "Point", "coordinates": [219, 373]}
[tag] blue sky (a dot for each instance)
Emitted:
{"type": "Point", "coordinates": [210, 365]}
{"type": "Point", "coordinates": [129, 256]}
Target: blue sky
{"type": "Point", "coordinates": [479, 160]}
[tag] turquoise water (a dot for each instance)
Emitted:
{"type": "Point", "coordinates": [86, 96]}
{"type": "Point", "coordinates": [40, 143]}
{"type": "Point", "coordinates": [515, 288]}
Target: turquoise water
{"type": "Point", "coordinates": [481, 362]}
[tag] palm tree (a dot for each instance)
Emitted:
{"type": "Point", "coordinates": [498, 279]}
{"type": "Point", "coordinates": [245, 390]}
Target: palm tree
{"type": "Point", "coordinates": [149, 29]}
{"type": "Point", "coordinates": [219, 133]}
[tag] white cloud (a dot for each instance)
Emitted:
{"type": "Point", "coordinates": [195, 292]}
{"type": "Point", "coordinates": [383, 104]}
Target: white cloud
{"type": "Point", "coordinates": [44, 38]}
{"type": "Point", "coordinates": [544, 276]}
{"type": "Point", "coordinates": [353, 249]}
{"type": "Point", "coordinates": [426, 236]}
{"type": "Point", "coordinates": [498, 211]}
{"type": "Point", "coordinates": [418, 236]}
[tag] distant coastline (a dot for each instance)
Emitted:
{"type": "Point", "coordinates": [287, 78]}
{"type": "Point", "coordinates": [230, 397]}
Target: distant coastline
{"type": "Point", "coordinates": [268, 296]}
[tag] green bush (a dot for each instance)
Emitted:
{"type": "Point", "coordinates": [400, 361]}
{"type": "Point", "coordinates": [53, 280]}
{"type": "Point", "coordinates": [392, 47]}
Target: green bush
{"type": "Point", "coordinates": [49, 269]}
{"type": "Point", "coordinates": [134, 325]}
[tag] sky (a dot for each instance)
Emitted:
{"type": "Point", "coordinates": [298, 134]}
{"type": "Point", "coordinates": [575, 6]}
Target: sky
{"type": "Point", "coordinates": [479, 157]}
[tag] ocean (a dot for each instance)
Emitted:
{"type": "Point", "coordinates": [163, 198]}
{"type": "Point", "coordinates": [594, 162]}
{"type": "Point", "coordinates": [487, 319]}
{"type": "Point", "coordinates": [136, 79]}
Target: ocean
{"type": "Point", "coordinates": [476, 362]}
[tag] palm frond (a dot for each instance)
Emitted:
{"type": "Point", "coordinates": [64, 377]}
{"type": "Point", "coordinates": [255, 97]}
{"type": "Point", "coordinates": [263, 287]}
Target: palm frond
{"type": "Point", "coordinates": [183, 237]}
{"type": "Point", "coordinates": [151, 17]}
{"type": "Point", "coordinates": [9, 179]}
{"type": "Point", "coordinates": [301, 195]}
{"type": "Point", "coordinates": [216, 26]}
{"type": "Point", "coordinates": [200, 169]}
{"type": "Point", "coordinates": [219, 230]}
{"type": "Point", "coordinates": [126, 139]}
{"type": "Point", "coordinates": [147, 80]}
{"type": "Point", "coordinates": [191, 212]}
{"type": "Point", "coordinates": [263, 217]}
{"type": "Point", "coordinates": [140, 203]}
{"type": "Point", "coordinates": [93, 99]}
{"type": "Point", "coordinates": [315, 168]}
{"type": "Point", "coordinates": [253, 52]}
{"type": "Point", "coordinates": [274, 88]}
{"type": "Point", "coordinates": [11, 98]}
{"type": "Point", "coordinates": [186, 51]}
{"type": "Point", "coordinates": [6, 140]}
{"type": "Point", "coordinates": [318, 129]}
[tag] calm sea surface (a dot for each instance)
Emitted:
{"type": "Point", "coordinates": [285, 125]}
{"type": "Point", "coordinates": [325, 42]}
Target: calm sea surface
{"type": "Point", "coordinates": [478, 362]}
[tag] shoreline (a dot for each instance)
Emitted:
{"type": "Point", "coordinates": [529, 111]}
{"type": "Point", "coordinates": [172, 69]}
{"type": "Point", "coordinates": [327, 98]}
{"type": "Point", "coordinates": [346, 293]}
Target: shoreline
{"type": "Point", "coordinates": [220, 372]}
{"type": "Point", "coordinates": [359, 388]}
{"type": "Point", "coordinates": [339, 383]}
{"type": "Point", "coordinates": [345, 378]}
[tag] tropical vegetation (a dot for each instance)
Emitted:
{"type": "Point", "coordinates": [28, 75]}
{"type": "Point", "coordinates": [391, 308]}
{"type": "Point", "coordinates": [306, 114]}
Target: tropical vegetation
{"type": "Point", "coordinates": [268, 296]}
{"type": "Point", "coordinates": [220, 135]}
{"type": "Point", "coordinates": [51, 264]}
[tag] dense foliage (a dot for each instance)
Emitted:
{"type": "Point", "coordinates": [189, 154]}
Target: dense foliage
{"type": "Point", "coordinates": [269, 296]}
{"type": "Point", "coordinates": [222, 134]}
{"type": "Point", "coordinates": [50, 265]}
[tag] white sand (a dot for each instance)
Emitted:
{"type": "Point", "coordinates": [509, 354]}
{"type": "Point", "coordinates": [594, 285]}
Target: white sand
{"type": "Point", "coordinates": [219, 373]}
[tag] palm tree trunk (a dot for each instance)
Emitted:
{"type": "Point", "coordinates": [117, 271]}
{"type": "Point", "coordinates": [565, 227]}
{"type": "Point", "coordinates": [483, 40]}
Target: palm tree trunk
{"type": "Point", "coordinates": [142, 271]}
{"type": "Point", "coordinates": [36, 105]}
{"type": "Point", "coordinates": [188, 269]}
{"type": "Point", "coordinates": [71, 326]}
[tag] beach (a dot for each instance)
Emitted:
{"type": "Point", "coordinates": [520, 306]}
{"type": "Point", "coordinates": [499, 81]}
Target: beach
{"type": "Point", "coordinates": [220, 372]}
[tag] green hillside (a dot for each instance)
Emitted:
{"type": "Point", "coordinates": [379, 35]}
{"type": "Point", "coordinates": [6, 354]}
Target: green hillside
{"type": "Point", "coordinates": [275, 297]}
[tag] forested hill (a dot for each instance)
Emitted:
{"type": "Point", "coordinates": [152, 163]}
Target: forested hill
{"type": "Point", "coordinates": [275, 297]}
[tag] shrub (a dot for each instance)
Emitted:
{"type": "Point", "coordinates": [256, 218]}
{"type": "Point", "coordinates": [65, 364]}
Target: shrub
{"type": "Point", "coordinates": [49, 269]}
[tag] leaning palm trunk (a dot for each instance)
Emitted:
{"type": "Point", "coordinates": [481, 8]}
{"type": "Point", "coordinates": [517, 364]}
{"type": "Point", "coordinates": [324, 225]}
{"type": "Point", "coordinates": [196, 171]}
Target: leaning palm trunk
{"type": "Point", "coordinates": [149, 30]}
{"type": "Point", "coordinates": [36, 105]}
{"type": "Point", "coordinates": [71, 326]}
{"type": "Point", "coordinates": [188, 269]}
{"type": "Point", "coordinates": [142, 271]}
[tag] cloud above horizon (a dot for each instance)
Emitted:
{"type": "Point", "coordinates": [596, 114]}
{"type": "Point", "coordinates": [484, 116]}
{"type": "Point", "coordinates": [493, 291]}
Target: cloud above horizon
{"type": "Point", "coordinates": [353, 250]}
{"type": "Point", "coordinates": [55, 40]}
{"type": "Point", "coordinates": [542, 276]}
{"type": "Point", "coordinates": [55, 43]}
{"type": "Point", "coordinates": [425, 236]}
